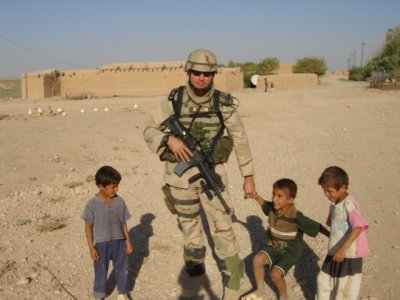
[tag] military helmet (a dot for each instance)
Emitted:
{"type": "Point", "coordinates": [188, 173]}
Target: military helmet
{"type": "Point", "coordinates": [201, 60]}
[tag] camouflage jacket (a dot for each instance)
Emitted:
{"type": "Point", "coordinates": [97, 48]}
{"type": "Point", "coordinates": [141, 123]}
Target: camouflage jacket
{"type": "Point", "coordinates": [234, 128]}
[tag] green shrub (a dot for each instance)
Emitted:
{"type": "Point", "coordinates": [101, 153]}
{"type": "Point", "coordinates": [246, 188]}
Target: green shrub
{"type": "Point", "coordinates": [232, 64]}
{"type": "Point", "coordinates": [267, 66]}
{"type": "Point", "coordinates": [389, 59]}
{"type": "Point", "coordinates": [247, 80]}
{"type": "Point", "coordinates": [248, 69]}
{"type": "Point", "coordinates": [357, 73]}
{"type": "Point", "coordinates": [310, 64]}
{"type": "Point", "coordinates": [392, 42]}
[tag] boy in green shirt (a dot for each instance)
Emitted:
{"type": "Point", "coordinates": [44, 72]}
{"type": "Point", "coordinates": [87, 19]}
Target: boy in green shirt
{"type": "Point", "coordinates": [284, 237]}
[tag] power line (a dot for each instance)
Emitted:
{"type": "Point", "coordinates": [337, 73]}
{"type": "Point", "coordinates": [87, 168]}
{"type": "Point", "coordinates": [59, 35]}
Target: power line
{"type": "Point", "coordinates": [362, 53]}
{"type": "Point", "coordinates": [41, 54]}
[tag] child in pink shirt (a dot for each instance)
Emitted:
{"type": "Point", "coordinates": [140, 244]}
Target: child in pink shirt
{"type": "Point", "coordinates": [341, 272]}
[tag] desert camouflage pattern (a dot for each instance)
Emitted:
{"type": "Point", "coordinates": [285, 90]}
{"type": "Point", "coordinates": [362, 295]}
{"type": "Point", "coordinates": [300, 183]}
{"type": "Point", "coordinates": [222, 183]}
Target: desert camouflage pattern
{"type": "Point", "coordinates": [220, 223]}
{"type": "Point", "coordinates": [204, 129]}
{"type": "Point", "coordinates": [202, 60]}
{"type": "Point", "coordinates": [232, 121]}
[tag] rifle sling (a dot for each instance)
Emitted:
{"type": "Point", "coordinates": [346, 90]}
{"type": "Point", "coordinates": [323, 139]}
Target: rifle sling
{"type": "Point", "coordinates": [176, 97]}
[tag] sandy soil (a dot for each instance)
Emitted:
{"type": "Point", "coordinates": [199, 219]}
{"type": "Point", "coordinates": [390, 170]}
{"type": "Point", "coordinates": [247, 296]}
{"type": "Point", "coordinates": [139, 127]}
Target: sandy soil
{"type": "Point", "coordinates": [47, 164]}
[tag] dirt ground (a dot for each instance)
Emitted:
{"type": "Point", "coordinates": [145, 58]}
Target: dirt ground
{"type": "Point", "coordinates": [48, 161]}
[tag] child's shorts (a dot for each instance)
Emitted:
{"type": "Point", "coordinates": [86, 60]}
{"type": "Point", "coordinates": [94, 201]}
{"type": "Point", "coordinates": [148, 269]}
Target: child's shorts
{"type": "Point", "coordinates": [282, 260]}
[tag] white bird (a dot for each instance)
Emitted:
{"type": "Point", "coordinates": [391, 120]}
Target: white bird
{"type": "Point", "coordinates": [106, 109]}
{"type": "Point", "coordinates": [30, 111]}
{"type": "Point", "coordinates": [60, 110]}
{"type": "Point", "coordinates": [39, 110]}
{"type": "Point", "coordinates": [64, 114]}
{"type": "Point", "coordinates": [135, 106]}
{"type": "Point", "coordinates": [95, 109]}
{"type": "Point", "coordinates": [82, 111]}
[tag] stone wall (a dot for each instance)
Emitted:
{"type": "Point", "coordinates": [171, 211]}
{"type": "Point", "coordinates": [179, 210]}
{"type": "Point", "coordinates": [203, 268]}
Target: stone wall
{"type": "Point", "coordinates": [134, 79]}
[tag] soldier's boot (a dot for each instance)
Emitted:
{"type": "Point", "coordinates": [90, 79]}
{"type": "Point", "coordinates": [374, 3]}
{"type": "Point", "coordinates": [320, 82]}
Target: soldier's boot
{"type": "Point", "coordinates": [194, 279]}
{"type": "Point", "coordinates": [195, 270]}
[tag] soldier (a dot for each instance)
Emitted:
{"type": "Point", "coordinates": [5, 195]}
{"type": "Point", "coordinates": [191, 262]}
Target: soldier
{"type": "Point", "coordinates": [205, 112]}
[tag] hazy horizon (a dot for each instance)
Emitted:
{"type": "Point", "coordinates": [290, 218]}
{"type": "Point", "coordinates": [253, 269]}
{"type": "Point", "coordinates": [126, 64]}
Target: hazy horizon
{"type": "Point", "coordinates": [40, 35]}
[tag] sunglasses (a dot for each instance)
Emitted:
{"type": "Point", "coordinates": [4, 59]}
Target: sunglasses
{"type": "Point", "coordinates": [198, 73]}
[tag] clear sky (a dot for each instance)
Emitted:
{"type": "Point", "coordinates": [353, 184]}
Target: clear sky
{"type": "Point", "coordinates": [75, 34]}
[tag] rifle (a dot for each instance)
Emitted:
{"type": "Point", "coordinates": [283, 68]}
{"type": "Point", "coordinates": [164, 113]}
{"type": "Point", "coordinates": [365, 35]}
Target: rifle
{"type": "Point", "coordinates": [210, 180]}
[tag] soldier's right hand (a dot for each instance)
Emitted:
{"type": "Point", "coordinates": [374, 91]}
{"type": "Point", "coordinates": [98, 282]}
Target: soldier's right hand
{"type": "Point", "coordinates": [179, 149]}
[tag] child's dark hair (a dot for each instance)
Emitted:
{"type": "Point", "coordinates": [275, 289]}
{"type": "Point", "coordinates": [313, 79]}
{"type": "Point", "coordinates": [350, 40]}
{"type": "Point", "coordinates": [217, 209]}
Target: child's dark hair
{"type": "Point", "coordinates": [334, 177]}
{"type": "Point", "coordinates": [288, 185]}
{"type": "Point", "coordinates": [107, 175]}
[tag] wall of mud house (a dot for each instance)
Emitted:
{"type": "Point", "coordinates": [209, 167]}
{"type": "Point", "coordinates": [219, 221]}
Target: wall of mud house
{"type": "Point", "coordinates": [136, 79]}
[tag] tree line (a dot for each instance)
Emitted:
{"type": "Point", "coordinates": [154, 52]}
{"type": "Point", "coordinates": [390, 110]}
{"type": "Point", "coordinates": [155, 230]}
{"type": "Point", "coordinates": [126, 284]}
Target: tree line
{"type": "Point", "coordinates": [270, 66]}
{"type": "Point", "coordinates": [387, 61]}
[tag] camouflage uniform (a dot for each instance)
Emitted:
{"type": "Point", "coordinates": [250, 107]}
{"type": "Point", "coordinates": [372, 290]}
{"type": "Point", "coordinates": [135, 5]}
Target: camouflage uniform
{"type": "Point", "coordinates": [189, 198]}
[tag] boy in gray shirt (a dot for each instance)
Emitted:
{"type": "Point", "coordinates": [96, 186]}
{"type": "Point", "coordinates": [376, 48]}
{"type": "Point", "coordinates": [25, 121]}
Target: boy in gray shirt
{"type": "Point", "coordinates": [105, 217]}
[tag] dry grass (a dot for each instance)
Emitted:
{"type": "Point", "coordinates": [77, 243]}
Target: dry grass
{"type": "Point", "coordinates": [10, 89]}
{"type": "Point", "coordinates": [74, 184]}
{"type": "Point", "coordinates": [160, 247]}
{"type": "Point", "coordinates": [48, 223]}
{"type": "Point", "coordinates": [90, 178]}
{"type": "Point", "coordinates": [57, 199]}
{"type": "Point", "coordinates": [81, 96]}
{"type": "Point", "coordinates": [22, 222]}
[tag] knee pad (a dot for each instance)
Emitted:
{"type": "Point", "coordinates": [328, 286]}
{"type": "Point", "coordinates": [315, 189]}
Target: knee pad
{"type": "Point", "coordinates": [233, 268]}
{"type": "Point", "coordinates": [194, 255]}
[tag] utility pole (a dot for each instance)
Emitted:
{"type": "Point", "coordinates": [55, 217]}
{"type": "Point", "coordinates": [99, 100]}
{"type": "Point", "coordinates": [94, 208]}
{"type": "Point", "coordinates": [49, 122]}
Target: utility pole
{"type": "Point", "coordinates": [362, 53]}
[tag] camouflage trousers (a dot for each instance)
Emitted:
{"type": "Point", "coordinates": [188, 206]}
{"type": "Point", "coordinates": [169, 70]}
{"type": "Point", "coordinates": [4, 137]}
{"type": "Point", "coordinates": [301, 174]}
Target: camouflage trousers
{"type": "Point", "coordinates": [188, 203]}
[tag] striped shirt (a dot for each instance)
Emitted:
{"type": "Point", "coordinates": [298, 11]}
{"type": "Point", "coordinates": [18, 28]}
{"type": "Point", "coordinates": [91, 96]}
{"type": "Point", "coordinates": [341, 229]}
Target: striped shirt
{"type": "Point", "coordinates": [286, 232]}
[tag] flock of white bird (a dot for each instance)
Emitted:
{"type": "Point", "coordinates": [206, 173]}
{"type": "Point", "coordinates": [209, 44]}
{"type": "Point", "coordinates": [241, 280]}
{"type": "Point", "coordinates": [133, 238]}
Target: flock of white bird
{"type": "Point", "coordinates": [39, 111]}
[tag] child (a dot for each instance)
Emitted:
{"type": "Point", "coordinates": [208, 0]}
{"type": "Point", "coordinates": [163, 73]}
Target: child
{"type": "Point", "coordinates": [340, 275]}
{"type": "Point", "coordinates": [284, 238]}
{"type": "Point", "coordinates": [107, 233]}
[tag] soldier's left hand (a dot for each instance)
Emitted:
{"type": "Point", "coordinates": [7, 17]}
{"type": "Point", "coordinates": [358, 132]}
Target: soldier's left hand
{"type": "Point", "coordinates": [249, 186]}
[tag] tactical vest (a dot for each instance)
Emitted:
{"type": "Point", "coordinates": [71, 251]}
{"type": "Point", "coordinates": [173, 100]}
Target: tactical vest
{"type": "Point", "coordinates": [204, 122]}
